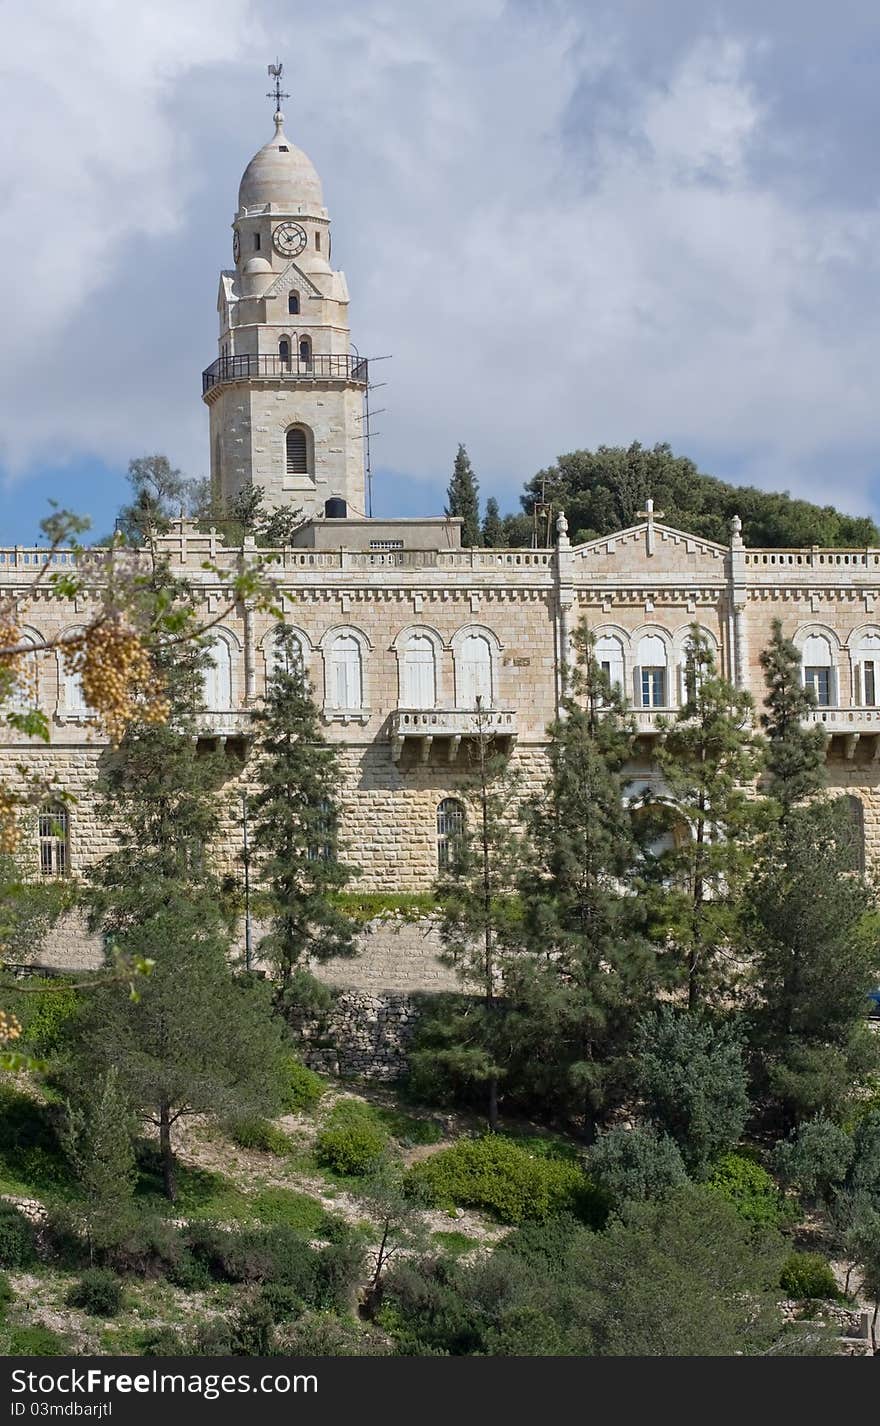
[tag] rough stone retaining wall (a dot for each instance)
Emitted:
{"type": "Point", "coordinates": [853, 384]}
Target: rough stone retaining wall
{"type": "Point", "coordinates": [363, 1034]}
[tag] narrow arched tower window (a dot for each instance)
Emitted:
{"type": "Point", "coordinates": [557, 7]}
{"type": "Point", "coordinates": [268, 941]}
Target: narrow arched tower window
{"type": "Point", "coordinates": [305, 351]}
{"type": "Point", "coordinates": [284, 351]}
{"type": "Point", "coordinates": [296, 452]}
{"type": "Point", "coordinates": [293, 302]}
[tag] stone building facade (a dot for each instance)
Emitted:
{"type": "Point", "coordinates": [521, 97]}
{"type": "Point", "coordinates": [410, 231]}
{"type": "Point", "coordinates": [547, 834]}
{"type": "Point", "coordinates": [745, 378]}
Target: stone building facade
{"type": "Point", "coordinates": [401, 630]}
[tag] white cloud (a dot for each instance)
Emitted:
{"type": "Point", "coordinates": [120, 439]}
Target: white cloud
{"type": "Point", "coordinates": [547, 274]}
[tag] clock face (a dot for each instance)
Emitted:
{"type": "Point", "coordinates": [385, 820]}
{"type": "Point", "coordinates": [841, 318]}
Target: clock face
{"type": "Point", "coordinates": [236, 246]}
{"type": "Point", "coordinates": [289, 239]}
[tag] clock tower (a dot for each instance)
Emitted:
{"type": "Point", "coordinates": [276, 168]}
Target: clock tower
{"type": "Point", "coordinates": [286, 393]}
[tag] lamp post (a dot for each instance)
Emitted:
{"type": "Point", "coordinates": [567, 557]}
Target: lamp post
{"type": "Point", "coordinates": [246, 858]}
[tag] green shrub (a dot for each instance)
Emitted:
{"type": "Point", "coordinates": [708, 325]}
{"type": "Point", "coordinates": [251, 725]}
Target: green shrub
{"type": "Point", "coordinates": [6, 1295]}
{"type": "Point", "coordinates": [303, 1088]}
{"type": "Point", "coordinates": [284, 1303]}
{"type": "Point", "coordinates": [455, 1244]}
{"type": "Point", "coordinates": [34, 1342]}
{"type": "Point", "coordinates": [18, 1246]}
{"type": "Point", "coordinates": [749, 1188]}
{"type": "Point", "coordinates": [160, 1342]}
{"type": "Point", "coordinates": [298, 1210]}
{"type": "Point", "coordinates": [253, 1329]}
{"type": "Point", "coordinates": [353, 1139]}
{"type": "Point", "coordinates": [32, 1161]}
{"type": "Point", "coordinates": [252, 1132]}
{"type": "Point", "coordinates": [806, 1275]}
{"type": "Point", "coordinates": [98, 1292]}
{"type": "Point", "coordinates": [636, 1164]}
{"type": "Point", "coordinates": [47, 1021]}
{"type": "Point", "coordinates": [189, 1273]}
{"type": "Point", "coordinates": [504, 1178]}
{"type": "Point", "coordinates": [276, 1254]}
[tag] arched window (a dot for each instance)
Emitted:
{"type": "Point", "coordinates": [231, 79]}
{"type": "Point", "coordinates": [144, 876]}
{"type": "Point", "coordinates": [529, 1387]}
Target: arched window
{"type": "Point", "coordinates": [53, 834]}
{"type": "Point", "coordinates": [651, 674]}
{"type": "Point", "coordinates": [818, 669]}
{"type": "Point", "coordinates": [305, 352]}
{"type": "Point", "coordinates": [283, 657]}
{"type": "Point", "coordinates": [284, 351]}
{"type": "Point", "coordinates": [24, 695]}
{"type": "Point", "coordinates": [217, 677]}
{"type": "Point", "coordinates": [474, 672]}
{"type": "Point", "coordinates": [660, 830]}
{"type": "Point", "coordinates": [293, 302]}
{"type": "Point", "coordinates": [609, 657]}
{"type": "Point", "coordinates": [866, 671]}
{"type": "Point", "coordinates": [346, 681]}
{"type": "Point", "coordinates": [450, 830]}
{"type": "Point", "coordinates": [419, 673]}
{"type": "Point", "coordinates": [296, 450]}
{"type": "Point", "coordinates": [73, 699]}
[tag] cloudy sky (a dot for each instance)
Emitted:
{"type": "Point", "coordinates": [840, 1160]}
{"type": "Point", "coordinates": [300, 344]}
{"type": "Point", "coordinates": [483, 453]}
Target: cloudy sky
{"type": "Point", "coordinates": [566, 221]}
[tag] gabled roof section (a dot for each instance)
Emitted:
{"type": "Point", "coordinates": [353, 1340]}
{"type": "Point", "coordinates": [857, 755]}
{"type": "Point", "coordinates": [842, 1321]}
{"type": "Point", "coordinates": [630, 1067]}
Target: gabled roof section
{"type": "Point", "coordinates": [291, 276]}
{"type": "Point", "coordinates": [650, 548]}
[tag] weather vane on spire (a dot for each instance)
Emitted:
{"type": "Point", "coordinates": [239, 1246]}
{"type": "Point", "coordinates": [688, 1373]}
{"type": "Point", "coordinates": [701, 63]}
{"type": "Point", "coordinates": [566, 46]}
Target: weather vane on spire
{"type": "Point", "coordinates": [277, 93]}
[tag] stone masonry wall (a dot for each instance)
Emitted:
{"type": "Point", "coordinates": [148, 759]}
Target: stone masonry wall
{"type": "Point", "coordinates": [364, 1035]}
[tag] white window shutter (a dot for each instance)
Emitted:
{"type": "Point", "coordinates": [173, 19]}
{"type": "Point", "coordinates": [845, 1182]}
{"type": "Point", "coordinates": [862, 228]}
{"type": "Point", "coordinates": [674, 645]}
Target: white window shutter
{"type": "Point", "coordinates": [637, 687]}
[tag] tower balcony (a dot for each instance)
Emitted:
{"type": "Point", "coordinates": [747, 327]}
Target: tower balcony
{"type": "Point", "coordinates": [424, 726]}
{"type": "Point", "coordinates": [266, 367]}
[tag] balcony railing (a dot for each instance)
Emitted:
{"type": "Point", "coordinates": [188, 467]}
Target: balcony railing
{"type": "Point", "coordinates": [452, 724]}
{"type": "Point", "coordinates": [224, 724]}
{"type": "Point", "coordinates": [320, 367]}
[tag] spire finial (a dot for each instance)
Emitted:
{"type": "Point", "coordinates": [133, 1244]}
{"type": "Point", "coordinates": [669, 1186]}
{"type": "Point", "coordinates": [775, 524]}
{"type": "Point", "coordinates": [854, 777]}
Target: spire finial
{"type": "Point", "coordinates": [277, 94]}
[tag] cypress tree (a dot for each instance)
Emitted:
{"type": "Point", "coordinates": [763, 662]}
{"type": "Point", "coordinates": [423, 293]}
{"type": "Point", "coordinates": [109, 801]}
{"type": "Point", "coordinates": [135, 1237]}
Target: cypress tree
{"type": "Point", "coordinates": [709, 759]}
{"type": "Point", "coordinates": [463, 499]}
{"type": "Point", "coordinates": [795, 753]}
{"type": "Point", "coordinates": [493, 525]}
{"type": "Point", "coordinates": [296, 820]}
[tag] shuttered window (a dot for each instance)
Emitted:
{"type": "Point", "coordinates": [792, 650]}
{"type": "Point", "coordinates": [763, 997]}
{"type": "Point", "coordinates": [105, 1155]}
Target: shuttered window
{"type": "Point", "coordinates": [297, 452]}
{"type": "Point", "coordinates": [419, 679]}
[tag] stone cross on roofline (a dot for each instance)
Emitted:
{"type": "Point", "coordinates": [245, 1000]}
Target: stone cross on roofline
{"type": "Point", "coordinates": [649, 514]}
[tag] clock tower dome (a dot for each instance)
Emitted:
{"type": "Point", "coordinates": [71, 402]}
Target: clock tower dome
{"type": "Point", "coordinates": [286, 393]}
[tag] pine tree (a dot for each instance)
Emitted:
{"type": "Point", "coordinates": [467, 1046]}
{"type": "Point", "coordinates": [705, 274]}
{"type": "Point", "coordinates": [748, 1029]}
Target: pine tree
{"type": "Point", "coordinates": [795, 754]}
{"type": "Point", "coordinates": [815, 959]}
{"type": "Point", "coordinates": [709, 758]}
{"type": "Point", "coordinates": [475, 900]}
{"type": "Point", "coordinates": [590, 969]}
{"type": "Point", "coordinates": [195, 1038]}
{"type": "Point", "coordinates": [807, 915]}
{"type": "Point", "coordinates": [493, 525]}
{"type": "Point", "coordinates": [296, 821]}
{"type": "Point", "coordinates": [160, 494]}
{"type": "Point", "coordinates": [463, 499]}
